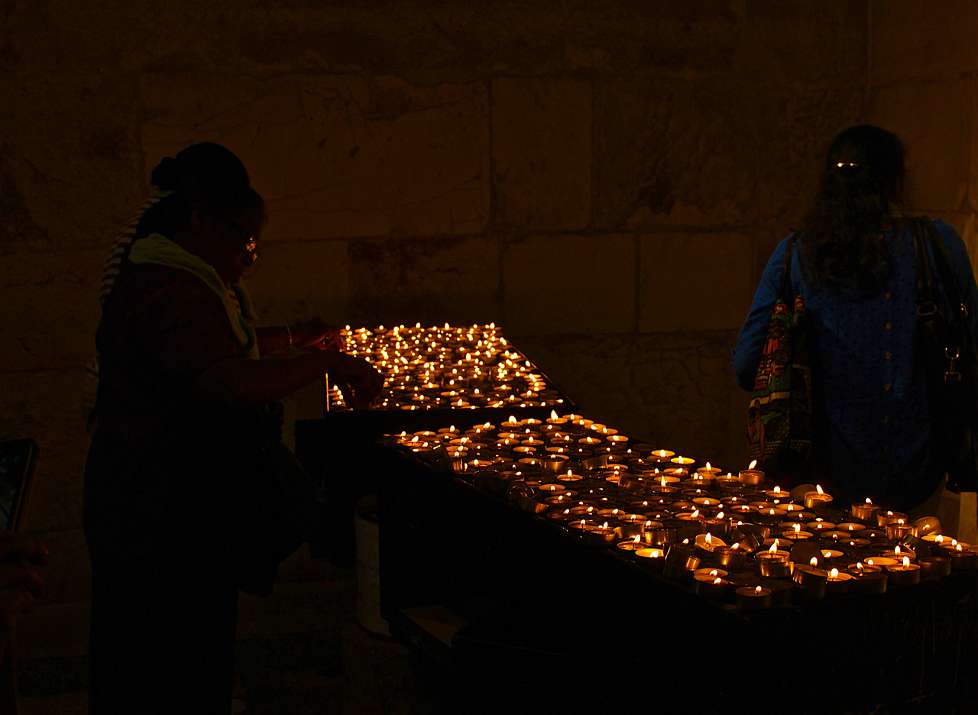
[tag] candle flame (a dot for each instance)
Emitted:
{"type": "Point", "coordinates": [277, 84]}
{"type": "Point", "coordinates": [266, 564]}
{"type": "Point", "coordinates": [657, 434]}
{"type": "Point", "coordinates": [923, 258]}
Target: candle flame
{"type": "Point", "coordinates": [813, 561]}
{"type": "Point", "coordinates": [939, 538]}
{"type": "Point", "coordinates": [758, 590]}
{"type": "Point", "coordinates": [818, 488]}
{"type": "Point", "coordinates": [959, 548]}
{"type": "Point", "coordinates": [604, 525]}
{"type": "Point", "coordinates": [868, 500]}
{"type": "Point", "coordinates": [686, 542]}
{"type": "Point", "coordinates": [753, 463]}
{"type": "Point", "coordinates": [906, 561]}
{"type": "Point", "coordinates": [708, 466]}
{"type": "Point", "coordinates": [896, 550]}
{"type": "Point", "coordinates": [859, 566]}
{"type": "Point", "coordinates": [696, 513]}
{"type": "Point", "coordinates": [736, 545]}
{"type": "Point", "coordinates": [834, 573]}
{"type": "Point", "coordinates": [708, 538]}
{"type": "Point", "coordinates": [870, 562]}
{"type": "Point", "coordinates": [777, 490]}
{"type": "Point", "coordinates": [774, 546]}
{"type": "Point", "coordinates": [719, 515]}
{"type": "Point", "coordinates": [511, 420]}
{"type": "Point", "coordinates": [797, 527]}
{"type": "Point", "coordinates": [714, 572]}
{"type": "Point", "coordinates": [553, 414]}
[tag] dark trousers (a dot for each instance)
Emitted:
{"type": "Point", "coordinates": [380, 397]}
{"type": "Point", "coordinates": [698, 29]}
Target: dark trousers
{"type": "Point", "coordinates": [162, 639]}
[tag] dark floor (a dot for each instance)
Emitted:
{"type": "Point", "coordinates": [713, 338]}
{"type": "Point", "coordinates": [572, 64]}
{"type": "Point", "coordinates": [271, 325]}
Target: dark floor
{"type": "Point", "coordinates": [299, 651]}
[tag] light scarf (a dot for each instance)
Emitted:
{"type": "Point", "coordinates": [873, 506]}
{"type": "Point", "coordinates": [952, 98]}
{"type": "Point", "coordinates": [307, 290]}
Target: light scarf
{"type": "Point", "coordinates": [160, 250]}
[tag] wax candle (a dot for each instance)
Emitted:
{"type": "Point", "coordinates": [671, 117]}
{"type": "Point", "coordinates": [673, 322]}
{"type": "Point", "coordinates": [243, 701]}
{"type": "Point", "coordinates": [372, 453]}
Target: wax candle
{"type": "Point", "coordinates": [708, 542]}
{"type": "Point", "coordinates": [810, 581]}
{"type": "Point", "coordinates": [883, 517]}
{"type": "Point", "coordinates": [867, 578]}
{"type": "Point", "coordinates": [963, 559]}
{"type": "Point", "coordinates": [730, 557]}
{"type": "Point", "coordinates": [864, 511]}
{"type": "Point", "coordinates": [753, 598]}
{"type": "Point", "coordinates": [774, 562]}
{"type": "Point", "coordinates": [715, 590]}
{"type": "Point", "coordinates": [752, 476]}
{"type": "Point", "coordinates": [934, 568]}
{"type": "Point", "coordinates": [817, 498]}
{"type": "Point", "coordinates": [903, 574]}
{"type": "Point", "coordinates": [820, 525]}
{"type": "Point", "coordinates": [681, 560]}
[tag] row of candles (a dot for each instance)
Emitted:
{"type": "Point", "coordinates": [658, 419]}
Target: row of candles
{"type": "Point", "coordinates": [446, 367]}
{"type": "Point", "coordinates": [728, 535]}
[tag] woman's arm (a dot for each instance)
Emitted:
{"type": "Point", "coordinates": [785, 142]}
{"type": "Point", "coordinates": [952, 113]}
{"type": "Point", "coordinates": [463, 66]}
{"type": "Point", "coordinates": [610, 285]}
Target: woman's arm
{"type": "Point", "coordinates": [750, 342]}
{"type": "Point", "coordinates": [279, 338]}
{"type": "Point", "coordinates": [243, 382]}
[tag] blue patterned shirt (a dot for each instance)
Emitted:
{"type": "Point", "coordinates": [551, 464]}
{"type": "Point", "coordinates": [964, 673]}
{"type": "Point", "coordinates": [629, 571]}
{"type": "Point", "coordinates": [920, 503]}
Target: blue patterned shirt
{"type": "Point", "coordinates": [872, 426]}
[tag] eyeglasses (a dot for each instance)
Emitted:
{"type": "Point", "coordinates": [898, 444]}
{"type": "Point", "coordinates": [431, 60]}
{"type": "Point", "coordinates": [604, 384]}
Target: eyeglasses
{"type": "Point", "coordinates": [248, 238]}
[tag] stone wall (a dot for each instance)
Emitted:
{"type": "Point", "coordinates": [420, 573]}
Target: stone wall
{"type": "Point", "coordinates": [604, 179]}
{"type": "Point", "coordinates": [922, 85]}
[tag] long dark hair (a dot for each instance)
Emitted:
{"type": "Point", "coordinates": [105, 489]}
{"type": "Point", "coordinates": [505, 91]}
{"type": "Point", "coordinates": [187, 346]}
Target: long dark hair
{"type": "Point", "coordinates": [862, 181]}
{"type": "Point", "coordinates": [203, 176]}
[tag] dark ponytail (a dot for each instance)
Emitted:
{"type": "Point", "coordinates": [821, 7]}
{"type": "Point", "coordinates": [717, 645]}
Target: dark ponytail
{"type": "Point", "coordinates": [862, 180]}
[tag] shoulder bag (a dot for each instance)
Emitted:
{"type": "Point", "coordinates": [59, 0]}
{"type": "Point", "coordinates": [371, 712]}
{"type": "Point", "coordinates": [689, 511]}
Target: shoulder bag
{"type": "Point", "coordinates": [779, 418]}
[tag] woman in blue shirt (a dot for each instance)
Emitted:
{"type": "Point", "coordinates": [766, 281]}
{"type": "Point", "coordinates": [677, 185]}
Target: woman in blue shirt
{"type": "Point", "coordinates": [853, 264]}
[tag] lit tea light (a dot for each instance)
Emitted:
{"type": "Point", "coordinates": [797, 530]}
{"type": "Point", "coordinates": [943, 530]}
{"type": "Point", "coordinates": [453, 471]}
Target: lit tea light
{"type": "Point", "coordinates": [752, 476]}
{"type": "Point", "coordinates": [810, 580]}
{"type": "Point", "coordinates": [837, 582]}
{"type": "Point", "coordinates": [817, 498]}
{"type": "Point", "coordinates": [904, 573]}
{"type": "Point", "coordinates": [867, 578]}
{"type": "Point", "coordinates": [753, 598]}
{"type": "Point", "coordinates": [864, 511]}
{"type": "Point", "coordinates": [708, 542]}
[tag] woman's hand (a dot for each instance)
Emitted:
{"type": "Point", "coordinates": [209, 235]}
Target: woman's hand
{"type": "Point", "coordinates": [315, 333]}
{"type": "Point", "coordinates": [358, 379]}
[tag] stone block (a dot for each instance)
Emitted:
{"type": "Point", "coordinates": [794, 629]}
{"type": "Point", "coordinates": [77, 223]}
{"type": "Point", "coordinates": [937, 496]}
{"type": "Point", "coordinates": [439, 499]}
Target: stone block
{"type": "Point", "coordinates": [933, 119]}
{"type": "Point", "coordinates": [692, 282]}
{"type": "Point", "coordinates": [672, 151]}
{"type": "Point", "coordinates": [50, 311]}
{"type": "Point", "coordinates": [427, 280]}
{"type": "Point", "coordinates": [792, 126]}
{"type": "Point", "coordinates": [915, 40]}
{"type": "Point", "coordinates": [51, 407]}
{"type": "Point", "coordinates": [686, 386]}
{"type": "Point", "coordinates": [338, 156]}
{"type": "Point", "coordinates": [569, 284]}
{"type": "Point", "coordinates": [796, 41]}
{"type": "Point", "coordinates": [298, 280]}
{"type": "Point", "coordinates": [541, 146]}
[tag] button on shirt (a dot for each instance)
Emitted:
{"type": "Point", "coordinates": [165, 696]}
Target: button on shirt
{"type": "Point", "coordinates": [871, 414]}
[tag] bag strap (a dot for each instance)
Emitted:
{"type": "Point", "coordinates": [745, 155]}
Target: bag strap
{"type": "Point", "coordinates": [948, 278]}
{"type": "Point", "coordinates": [926, 305]}
{"type": "Point", "coordinates": [786, 273]}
